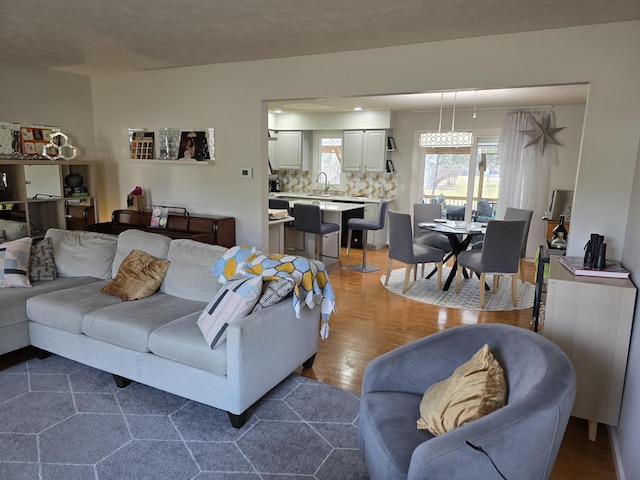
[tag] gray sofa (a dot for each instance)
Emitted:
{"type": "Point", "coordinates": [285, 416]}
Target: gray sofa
{"type": "Point", "coordinates": [156, 340]}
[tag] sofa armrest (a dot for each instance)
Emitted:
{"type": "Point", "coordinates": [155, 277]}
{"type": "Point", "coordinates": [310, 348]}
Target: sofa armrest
{"type": "Point", "coordinates": [265, 347]}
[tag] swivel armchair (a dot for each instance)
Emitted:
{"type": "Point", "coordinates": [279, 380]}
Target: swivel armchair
{"type": "Point", "coordinates": [522, 438]}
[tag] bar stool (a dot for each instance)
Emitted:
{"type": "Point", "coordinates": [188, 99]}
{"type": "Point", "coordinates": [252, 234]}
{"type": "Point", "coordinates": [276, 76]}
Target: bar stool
{"type": "Point", "coordinates": [366, 225]}
{"type": "Point", "coordinates": [308, 219]}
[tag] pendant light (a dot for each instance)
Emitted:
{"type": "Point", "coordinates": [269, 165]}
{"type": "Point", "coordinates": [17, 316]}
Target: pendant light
{"type": "Point", "coordinates": [447, 139]}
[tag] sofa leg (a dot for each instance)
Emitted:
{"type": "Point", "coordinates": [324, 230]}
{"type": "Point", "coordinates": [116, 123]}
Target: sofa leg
{"type": "Point", "coordinates": [309, 363]}
{"type": "Point", "coordinates": [42, 354]}
{"type": "Point", "coordinates": [237, 421]}
{"type": "Point", "coordinates": [121, 382]}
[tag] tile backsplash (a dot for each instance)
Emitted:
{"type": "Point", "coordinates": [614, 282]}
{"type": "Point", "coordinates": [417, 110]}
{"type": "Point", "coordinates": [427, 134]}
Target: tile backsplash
{"type": "Point", "coordinates": [382, 185]}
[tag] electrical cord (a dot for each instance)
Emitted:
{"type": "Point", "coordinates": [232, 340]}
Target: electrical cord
{"type": "Point", "coordinates": [477, 447]}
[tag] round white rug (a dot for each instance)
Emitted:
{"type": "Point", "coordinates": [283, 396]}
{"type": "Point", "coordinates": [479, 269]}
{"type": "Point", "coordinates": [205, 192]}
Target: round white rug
{"type": "Point", "coordinates": [426, 291]}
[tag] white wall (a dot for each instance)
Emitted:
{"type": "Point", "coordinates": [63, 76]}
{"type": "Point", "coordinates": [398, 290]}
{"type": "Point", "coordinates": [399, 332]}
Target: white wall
{"type": "Point", "coordinates": [49, 98]}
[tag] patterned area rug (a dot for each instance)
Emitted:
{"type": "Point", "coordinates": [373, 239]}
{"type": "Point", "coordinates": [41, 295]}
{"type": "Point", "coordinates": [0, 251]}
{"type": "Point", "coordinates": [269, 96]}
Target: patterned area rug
{"type": "Point", "coordinates": [426, 291]}
{"type": "Point", "coordinates": [63, 420]}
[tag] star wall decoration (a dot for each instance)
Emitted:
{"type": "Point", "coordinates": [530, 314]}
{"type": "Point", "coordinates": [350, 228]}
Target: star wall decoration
{"type": "Point", "coordinates": [541, 133]}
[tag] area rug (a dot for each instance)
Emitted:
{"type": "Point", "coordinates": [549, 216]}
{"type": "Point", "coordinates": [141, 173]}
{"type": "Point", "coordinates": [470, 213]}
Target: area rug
{"type": "Point", "coordinates": [60, 420]}
{"type": "Point", "coordinates": [426, 291]}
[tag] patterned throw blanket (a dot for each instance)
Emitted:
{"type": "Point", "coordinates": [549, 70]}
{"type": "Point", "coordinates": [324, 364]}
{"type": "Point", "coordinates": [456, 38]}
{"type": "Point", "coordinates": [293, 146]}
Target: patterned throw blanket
{"type": "Point", "coordinates": [311, 281]}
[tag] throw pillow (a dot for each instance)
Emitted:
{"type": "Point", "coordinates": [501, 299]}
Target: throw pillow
{"type": "Point", "coordinates": [273, 292]}
{"type": "Point", "coordinates": [42, 264]}
{"type": "Point", "coordinates": [233, 301]}
{"type": "Point", "coordinates": [475, 389]}
{"type": "Point", "coordinates": [139, 276]}
{"type": "Point", "coordinates": [14, 263]}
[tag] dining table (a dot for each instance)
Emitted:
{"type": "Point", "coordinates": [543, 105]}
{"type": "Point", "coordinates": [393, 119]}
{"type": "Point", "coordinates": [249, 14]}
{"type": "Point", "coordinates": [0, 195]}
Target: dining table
{"type": "Point", "coordinates": [460, 234]}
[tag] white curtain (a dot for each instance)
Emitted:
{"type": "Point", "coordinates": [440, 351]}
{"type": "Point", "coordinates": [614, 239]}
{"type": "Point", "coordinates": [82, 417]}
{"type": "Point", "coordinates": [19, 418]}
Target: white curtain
{"type": "Point", "coordinates": [524, 172]}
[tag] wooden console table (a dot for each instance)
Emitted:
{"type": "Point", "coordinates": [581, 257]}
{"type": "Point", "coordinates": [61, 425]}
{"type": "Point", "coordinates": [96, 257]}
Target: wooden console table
{"type": "Point", "coordinates": [590, 319]}
{"type": "Point", "coordinates": [203, 228]}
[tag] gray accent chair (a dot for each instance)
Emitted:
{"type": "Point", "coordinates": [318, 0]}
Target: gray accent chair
{"type": "Point", "coordinates": [366, 225]}
{"type": "Point", "coordinates": [499, 255]}
{"type": "Point", "coordinates": [403, 249]}
{"type": "Point", "coordinates": [308, 219]}
{"type": "Point", "coordinates": [522, 438]}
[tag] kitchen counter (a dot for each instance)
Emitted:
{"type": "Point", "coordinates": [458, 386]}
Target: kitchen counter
{"type": "Point", "coordinates": [329, 205]}
{"type": "Point", "coordinates": [328, 198]}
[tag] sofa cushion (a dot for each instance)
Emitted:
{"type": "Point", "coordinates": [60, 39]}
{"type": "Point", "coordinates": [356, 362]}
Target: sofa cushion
{"type": "Point", "coordinates": [152, 243]}
{"type": "Point", "coordinates": [234, 300]}
{"type": "Point", "coordinates": [82, 254]}
{"type": "Point", "coordinates": [182, 341]}
{"type": "Point", "coordinates": [12, 300]}
{"type": "Point", "coordinates": [42, 263]}
{"type": "Point", "coordinates": [66, 308]}
{"type": "Point", "coordinates": [139, 276]}
{"type": "Point", "coordinates": [129, 324]}
{"type": "Point", "coordinates": [475, 389]}
{"type": "Point", "coordinates": [14, 263]}
{"type": "Point", "coordinates": [189, 275]}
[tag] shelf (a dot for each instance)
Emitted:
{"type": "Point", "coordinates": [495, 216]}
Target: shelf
{"type": "Point", "coordinates": [178, 162]}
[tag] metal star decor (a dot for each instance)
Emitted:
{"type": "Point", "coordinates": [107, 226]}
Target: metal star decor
{"type": "Point", "coordinates": [541, 133]}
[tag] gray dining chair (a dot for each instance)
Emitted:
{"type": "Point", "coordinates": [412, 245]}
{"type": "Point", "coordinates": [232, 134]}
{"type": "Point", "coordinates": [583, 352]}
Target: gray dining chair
{"type": "Point", "coordinates": [308, 219]}
{"type": "Point", "coordinates": [499, 256]}
{"type": "Point", "coordinates": [424, 213]}
{"type": "Point", "coordinates": [403, 249]}
{"type": "Point", "coordinates": [366, 225]}
{"type": "Point", "coordinates": [526, 215]}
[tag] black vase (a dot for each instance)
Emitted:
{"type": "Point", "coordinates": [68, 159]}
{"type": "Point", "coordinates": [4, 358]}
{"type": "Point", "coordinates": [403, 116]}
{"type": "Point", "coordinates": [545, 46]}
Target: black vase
{"type": "Point", "coordinates": [591, 250]}
{"type": "Point", "coordinates": [600, 262]}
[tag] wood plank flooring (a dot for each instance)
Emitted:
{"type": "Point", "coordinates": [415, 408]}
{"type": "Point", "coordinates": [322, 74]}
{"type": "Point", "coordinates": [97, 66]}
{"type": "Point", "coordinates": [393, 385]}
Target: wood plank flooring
{"type": "Point", "coordinates": [371, 321]}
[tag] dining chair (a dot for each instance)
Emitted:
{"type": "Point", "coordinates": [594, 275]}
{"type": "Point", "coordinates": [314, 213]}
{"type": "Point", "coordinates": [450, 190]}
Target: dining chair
{"type": "Point", "coordinates": [366, 225]}
{"type": "Point", "coordinates": [521, 214]}
{"type": "Point", "coordinates": [308, 219]}
{"type": "Point", "coordinates": [425, 213]}
{"type": "Point", "coordinates": [403, 249]}
{"type": "Point", "coordinates": [499, 256]}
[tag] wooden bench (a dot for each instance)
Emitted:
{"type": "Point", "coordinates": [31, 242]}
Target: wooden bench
{"type": "Point", "coordinates": [215, 230]}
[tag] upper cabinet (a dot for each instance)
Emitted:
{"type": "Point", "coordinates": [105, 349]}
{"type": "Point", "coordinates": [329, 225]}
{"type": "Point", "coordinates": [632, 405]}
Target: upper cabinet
{"type": "Point", "coordinates": [291, 150]}
{"type": "Point", "coordinates": [364, 150]}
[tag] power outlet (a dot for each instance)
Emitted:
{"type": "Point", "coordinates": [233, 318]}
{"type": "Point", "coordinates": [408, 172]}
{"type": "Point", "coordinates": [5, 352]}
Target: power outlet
{"type": "Point", "coordinates": [246, 172]}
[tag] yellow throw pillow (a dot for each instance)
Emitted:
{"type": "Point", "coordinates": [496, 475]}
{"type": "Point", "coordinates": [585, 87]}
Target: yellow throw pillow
{"type": "Point", "coordinates": [139, 276]}
{"type": "Point", "coordinates": [475, 389]}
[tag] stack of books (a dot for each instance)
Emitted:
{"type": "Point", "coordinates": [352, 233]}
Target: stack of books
{"type": "Point", "coordinates": [576, 266]}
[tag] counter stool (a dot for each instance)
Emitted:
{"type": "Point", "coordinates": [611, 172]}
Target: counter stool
{"type": "Point", "coordinates": [366, 225]}
{"type": "Point", "coordinates": [308, 219]}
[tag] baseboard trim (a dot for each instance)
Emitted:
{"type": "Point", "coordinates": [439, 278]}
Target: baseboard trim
{"type": "Point", "coordinates": [615, 450]}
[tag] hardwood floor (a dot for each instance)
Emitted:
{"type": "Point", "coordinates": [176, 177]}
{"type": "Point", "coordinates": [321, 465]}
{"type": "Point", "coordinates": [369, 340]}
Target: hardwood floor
{"type": "Point", "coordinates": [371, 321]}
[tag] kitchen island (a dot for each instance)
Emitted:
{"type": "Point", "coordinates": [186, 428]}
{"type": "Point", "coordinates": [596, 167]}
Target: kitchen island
{"type": "Point", "coordinates": [332, 212]}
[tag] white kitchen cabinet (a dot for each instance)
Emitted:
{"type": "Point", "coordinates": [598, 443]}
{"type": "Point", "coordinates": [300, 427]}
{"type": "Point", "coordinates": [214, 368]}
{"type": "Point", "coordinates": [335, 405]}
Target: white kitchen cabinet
{"type": "Point", "coordinates": [291, 151]}
{"type": "Point", "coordinates": [364, 150]}
{"type": "Point", "coordinates": [590, 319]}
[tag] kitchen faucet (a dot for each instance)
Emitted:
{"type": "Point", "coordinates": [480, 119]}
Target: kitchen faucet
{"type": "Point", "coordinates": [326, 181]}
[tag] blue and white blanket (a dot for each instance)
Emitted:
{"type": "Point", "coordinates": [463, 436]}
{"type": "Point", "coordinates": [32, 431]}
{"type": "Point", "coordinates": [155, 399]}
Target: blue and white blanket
{"type": "Point", "coordinates": [311, 281]}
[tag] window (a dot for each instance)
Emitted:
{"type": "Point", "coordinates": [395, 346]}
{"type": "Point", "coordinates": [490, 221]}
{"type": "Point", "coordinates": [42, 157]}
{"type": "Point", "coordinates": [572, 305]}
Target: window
{"type": "Point", "coordinates": [328, 159]}
{"type": "Point", "coordinates": [451, 172]}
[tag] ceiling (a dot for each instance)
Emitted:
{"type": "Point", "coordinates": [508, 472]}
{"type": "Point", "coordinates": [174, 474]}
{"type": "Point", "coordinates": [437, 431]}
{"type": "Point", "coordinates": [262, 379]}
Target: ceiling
{"type": "Point", "coordinates": [94, 37]}
{"type": "Point", "coordinates": [98, 37]}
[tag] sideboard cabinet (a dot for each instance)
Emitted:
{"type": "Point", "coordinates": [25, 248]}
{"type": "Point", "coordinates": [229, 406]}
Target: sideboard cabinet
{"type": "Point", "coordinates": [590, 319]}
{"type": "Point", "coordinates": [34, 193]}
